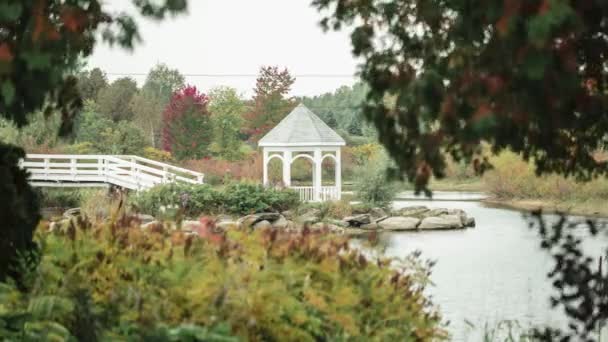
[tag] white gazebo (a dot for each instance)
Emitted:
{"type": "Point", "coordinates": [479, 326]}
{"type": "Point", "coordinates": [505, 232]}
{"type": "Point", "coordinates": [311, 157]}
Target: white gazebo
{"type": "Point", "coordinates": [302, 134]}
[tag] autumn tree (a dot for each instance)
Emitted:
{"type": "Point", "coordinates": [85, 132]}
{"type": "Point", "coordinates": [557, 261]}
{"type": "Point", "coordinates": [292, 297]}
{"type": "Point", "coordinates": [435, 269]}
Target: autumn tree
{"type": "Point", "coordinates": [41, 44]}
{"type": "Point", "coordinates": [115, 100]}
{"type": "Point", "coordinates": [149, 103]}
{"type": "Point", "coordinates": [270, 102]}
{"type": "Point", "coordinates": [91, 82]}
{"type": "Point", "coordinates": [227, 108]}
{"type": "Point", "coordinates": [529, 76]}
{"type": "Point", "coordinates": [187, 130]}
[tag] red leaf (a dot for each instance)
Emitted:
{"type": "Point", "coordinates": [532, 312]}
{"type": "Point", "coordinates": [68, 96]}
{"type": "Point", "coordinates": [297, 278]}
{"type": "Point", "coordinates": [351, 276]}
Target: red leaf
{"type": "Point", "coordinates": [6, 54]}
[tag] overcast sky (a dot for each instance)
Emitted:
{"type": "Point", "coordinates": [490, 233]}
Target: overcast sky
{"type": "Point", "coordinates": [237, 37]}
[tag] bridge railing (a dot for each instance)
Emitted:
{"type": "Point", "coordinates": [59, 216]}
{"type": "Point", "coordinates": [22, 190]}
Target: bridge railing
{"type": "Point", "coordinates": [131, 172]}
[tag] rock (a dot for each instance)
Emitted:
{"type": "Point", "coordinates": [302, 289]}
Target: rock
{"type": "Point", "coordinates": [72, 212]}
{"type": "Point", "coordinates": [328, 226]}
{"type": "Point", "coordinates": [442, 222]}
{"type": "Point", "coordinates": [247, 221]}
{"type": "Point", "coordinates": [358, 220]}
{"type": "Point", "coordinates": [191, 225]}
{"type": "Point", "coordinates": [311, 215]}
{"type": "Point", "coordinates": [337, 223]}
{"type": "Point", "coordinates": [262, 225]}
{"type": "Point", "coordinates": [281, 223]}
{"type": "Point", "coordinates": [251, 220]}
{"type": "Point", "coordinates": [414, 211]}
{"type": "Point", "coordinates": [149, 225]}
{"type": "Point", "coordinates": [222, 218]}
{"type": "Point", "coordinates": [226, 225]}
{"type": "Point", "coordinates": [270, 217]}
{"type": "Point", "coordinates": [436, 212]}
{"type": "Point", "coordinates": [397, 223]}
{"type": "Point", "coordinates": [288, 214]}
{"type": "Point", "coordinates": [469, 222]}
{"type": "Point", "coordinates": [370, 226]}
{"type": "Point", "coordinates": [377, 213]}
{"type": "Point", "coordinates": [144, 218]}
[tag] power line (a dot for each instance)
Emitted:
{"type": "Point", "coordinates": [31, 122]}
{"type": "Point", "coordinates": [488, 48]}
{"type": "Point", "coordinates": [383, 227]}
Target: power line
{"type": "Point", "coordinates": [238, 75]}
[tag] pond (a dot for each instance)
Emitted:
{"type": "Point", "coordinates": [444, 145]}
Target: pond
{"type": "Point", "coordinates": [484, 275]}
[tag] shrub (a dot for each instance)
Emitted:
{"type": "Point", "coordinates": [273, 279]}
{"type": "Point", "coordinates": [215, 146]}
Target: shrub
{"type": "Point", "coordinates": [194, 200]}
{"type": "Point", "coordinates": [19, 214]}
{"type": "Point", "coordinates": [117, 282]}
{"type": "Point", "coordinates": [158, 155]}
{"type": "Point", "coordinates": [248, 198]}
{"type": "Point", "coordinates": [250, 168]}
{"type": "Point", "coordinates": [372, 185]}
{"type": "Point", "coordinates": [61, 198]}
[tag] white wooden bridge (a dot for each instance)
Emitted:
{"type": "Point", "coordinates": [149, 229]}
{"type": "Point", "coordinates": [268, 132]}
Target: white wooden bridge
{"type": "Point", "coordinates": [126, 171]}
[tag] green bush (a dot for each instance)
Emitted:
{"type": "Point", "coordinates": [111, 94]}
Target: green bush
{"type": "Point", "coordinates": [235, 198]}
{"type": "Point", "coordinates": [119, 283]}
{"type": "Point", "coordinates": [19, 215]}
{"type": "Point", "coordinates": [372, 186]}
{"type": "Point", "coordinates": [61, 198]}
{"type": "Point", "coordinates": [248, 198]}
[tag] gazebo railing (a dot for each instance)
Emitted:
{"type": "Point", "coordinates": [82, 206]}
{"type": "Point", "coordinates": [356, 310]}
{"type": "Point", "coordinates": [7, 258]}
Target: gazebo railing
{"type": "Point", "coordinates": [307, 193]}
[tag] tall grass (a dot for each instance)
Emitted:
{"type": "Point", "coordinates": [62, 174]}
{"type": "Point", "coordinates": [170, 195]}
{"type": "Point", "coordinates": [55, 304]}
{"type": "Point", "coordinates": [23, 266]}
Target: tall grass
{"type": "Point", "coordinates": [512, 177]}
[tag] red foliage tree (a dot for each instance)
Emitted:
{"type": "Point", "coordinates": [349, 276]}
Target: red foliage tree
{"type": "Point", "coordinates": [186, 124]}
{"type": "Point", "coordinates": [270, 102]}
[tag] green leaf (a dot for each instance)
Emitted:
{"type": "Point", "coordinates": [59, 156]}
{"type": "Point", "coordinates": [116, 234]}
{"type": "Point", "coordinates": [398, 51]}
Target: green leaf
{"type": "Point", "coordinates": [10, 11]}
{"type": "Point", "coordinates": [37, 61]}
{"type": "Point", "coordinates": [8, 92]}
{"type": "Point", "coordinates": [535, 65]}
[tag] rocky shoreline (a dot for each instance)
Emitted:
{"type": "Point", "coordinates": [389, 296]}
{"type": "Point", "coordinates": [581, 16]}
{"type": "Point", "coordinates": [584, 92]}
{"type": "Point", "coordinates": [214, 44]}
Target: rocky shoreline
{"type": "Point", "coordinates": [413, 218]}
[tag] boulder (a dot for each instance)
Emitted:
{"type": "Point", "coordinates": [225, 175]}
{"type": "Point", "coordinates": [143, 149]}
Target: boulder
{"type": "Point", "coordinates": [311, 215]}
{"type": "Point", "coordinates": [288, 214]}
{"type": "Point", "coordinates": [413, 211]}
{"type": "Point", "coordinates": [337, 223]}
{"type": "Point", "coordinates": [377, 213]}
{"type": "Point", "coordinates": [397, 223]}
{"type": "Point", "coordinates": [251, 220]}
{"type": "Point", "coordinates": [262, 225]}
{"type": "Point", "coordinates": [370, 226]}
{"type": "Point", "coordinates": [358, 220]}
{"type": "Point", "coordinates": [441, 222]}
{"type": "Point", "coordinates": [226, 225]}
{"type": "Point", "coordinates": [191, 225]}
{"type": "Point", "coordinates": [436, 212]}
{"type": "Point", "coordinates": [144, 218]}
{"type": "Point", "coordinates": [469, 222]}
{"type": "Point", "coordinates": [281, 223]}
{"type": "Point", "coordinates": [331, 227]}
{"type": "Point", "coordinates": [72, 212]}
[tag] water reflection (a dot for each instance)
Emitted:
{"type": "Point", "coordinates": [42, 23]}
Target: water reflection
{"type": "Point", "coordinates": [487, 274]}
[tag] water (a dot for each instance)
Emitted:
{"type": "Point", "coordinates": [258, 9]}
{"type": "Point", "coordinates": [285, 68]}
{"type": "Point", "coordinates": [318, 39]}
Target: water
{"type": "Point", "coordinates": [487, 274]}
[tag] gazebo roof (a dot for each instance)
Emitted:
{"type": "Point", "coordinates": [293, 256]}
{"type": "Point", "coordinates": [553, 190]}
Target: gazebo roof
{"type": "Point", "coordinates": [301, 128]}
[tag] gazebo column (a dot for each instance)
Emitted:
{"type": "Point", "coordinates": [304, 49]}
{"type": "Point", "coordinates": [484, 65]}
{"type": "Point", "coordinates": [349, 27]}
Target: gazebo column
{"type": "Point", "coordinates": [265, 167]}
{"type": "Point", "coordinates": [317, 179]}
{"type": "Point", "coordinates": [338, 174]}
{"type": "Point", "coordinates": [287, 168]}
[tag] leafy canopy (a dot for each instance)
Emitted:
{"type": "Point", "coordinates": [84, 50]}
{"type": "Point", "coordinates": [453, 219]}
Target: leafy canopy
{"type": "Point", "coordinates": [446, 75]}
{"type": "Point", "coordinates": [43, 40]}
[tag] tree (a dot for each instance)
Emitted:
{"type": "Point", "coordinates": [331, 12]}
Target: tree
{"type": "Point", "coordinates": [115, 101]}
{"type": "Point", "coordinates": [108, 137]}
{"type": "Point", "coordinates": [148, 105]}
{"type": "Point", "coordinates": [147, 115]}
{"type": "Point", "coordinates": [162, 82]}
{"type": "Point", "coordinates": [43, 41]}
{"type": "Point", "coordinates": [187, 130]}
{"type": "Point", "coordinates": [355, 126]}
{"type": "Point", "coordinates": [529, 76]}
{"type": "Point", "coordinates": [227, 108]}
{"type": "Point", "coordinates": [330, 120]}
{"type": "Point", "coordinates": [90, 83]}
{"type": "Point", "coordinates": [344, 104]}
{"type": "Point", "coordinates": [270, 104]}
